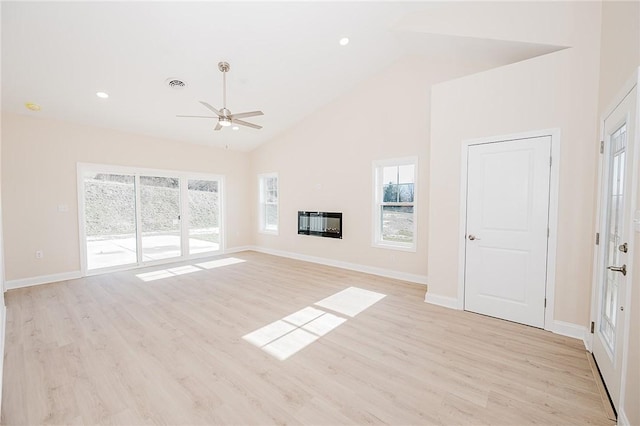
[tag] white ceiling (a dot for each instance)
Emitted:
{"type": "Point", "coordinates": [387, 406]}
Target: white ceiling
{"type": "Point", "coordinates": [285, 60]}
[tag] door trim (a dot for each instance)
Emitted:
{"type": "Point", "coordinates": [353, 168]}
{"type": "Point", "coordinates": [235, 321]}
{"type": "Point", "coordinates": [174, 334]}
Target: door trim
{"type": "Point", "coordinates": [626, 89]}
{"type": "Point", "coordinates": [553, 213]}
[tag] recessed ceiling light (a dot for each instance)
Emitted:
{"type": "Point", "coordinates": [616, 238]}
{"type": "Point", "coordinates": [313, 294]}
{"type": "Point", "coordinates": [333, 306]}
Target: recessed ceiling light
{"type": "Point", "coordinates": [32, 107]}
{"type": "Point", "coordinates": [103, 95]}
{"type": "Point", "coordinates": [344, 41]}
{"type": "Point", "coordinates": [235, 128]}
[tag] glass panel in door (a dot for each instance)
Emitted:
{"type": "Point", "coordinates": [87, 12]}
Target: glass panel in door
{"type": "Point", "coordinates": [160, 217]}
{"type": "Point", "coordinates": [613, 239]}
{"type": "Point", "coordinates": [110, 220]}
{"type": "Point", "coordinates": [204, 216]}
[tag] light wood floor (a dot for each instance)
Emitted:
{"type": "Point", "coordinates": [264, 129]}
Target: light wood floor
{"type": "Point", "coordinates": [113, 349]}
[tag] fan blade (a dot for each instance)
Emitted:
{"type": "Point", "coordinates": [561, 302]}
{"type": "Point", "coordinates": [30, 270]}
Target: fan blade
{"type": "Point", "coordinates": [194, 116]}
{"type": "Point", "coordinates": [218, 126]}
{"type": "Point", "coordinates": [211, 108]}
{"type": "Point", "coordinates": [244, 123]}
{"type": "Point", "coordinates": [246, 114]}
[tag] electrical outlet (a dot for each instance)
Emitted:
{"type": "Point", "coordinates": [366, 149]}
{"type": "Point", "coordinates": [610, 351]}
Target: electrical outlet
{"type": "Point", "coordinates": [39, 254]}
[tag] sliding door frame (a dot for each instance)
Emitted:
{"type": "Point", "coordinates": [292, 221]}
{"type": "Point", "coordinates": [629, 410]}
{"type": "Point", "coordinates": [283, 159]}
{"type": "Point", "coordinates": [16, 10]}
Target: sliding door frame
{"type": "Point", "coordinates": [136, 172]}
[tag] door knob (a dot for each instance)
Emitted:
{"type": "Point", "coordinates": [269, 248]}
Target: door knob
{"type": "Point", "coordinates": [622, 269]}
{"type": "Point", "coordinates": [473, 237]}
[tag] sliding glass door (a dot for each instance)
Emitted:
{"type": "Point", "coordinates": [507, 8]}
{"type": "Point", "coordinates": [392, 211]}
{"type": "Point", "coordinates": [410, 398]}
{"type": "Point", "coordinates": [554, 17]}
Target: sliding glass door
{"type": "Point", "coordinates": [132, 217]}
{"type": "Point", "coordinates": [204, 216]}
{"type": "Point", "coordinates": [160, 211]}
{"type": "Point", "coordinates": [110, 220]}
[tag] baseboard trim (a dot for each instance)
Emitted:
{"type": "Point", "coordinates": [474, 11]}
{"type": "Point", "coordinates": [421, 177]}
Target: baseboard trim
{"type": "Point", "coordinates": [558, 327]}
{"type": "Point", "coordinates": [570, 330]}
{"type": "Point", "coordinates": [42, 279]}
{"type": "Point", "coordinates": [387, 273]}
{"type": "Point", "coordinates": [237, 249]}
{"type": "Point", "coordinates": [46, 279]}
{"type": "Point", "coordinates": [446, 301]}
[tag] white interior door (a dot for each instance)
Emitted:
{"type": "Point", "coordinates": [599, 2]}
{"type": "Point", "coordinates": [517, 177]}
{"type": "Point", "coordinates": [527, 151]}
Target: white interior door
{"type": "Point", "coordinates": [615, 233]}
{"type": "Point", "coordinates": [507, 229]}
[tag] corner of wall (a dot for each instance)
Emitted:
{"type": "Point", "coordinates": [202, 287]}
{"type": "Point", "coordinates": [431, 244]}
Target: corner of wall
{"type": "Point", "coordinates": [568, 329]}
{"type": "Point", "coordinates": [444, 301]}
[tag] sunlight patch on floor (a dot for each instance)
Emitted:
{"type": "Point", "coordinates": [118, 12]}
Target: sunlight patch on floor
{"type": "Point", "coordinates": [220, 262]}
{"type": "Point", "coordinates": [351, 301]}
{"type": "Point", "coordinates": [294, 332]}
{"type": "Point", "coordinates": [187, 269]}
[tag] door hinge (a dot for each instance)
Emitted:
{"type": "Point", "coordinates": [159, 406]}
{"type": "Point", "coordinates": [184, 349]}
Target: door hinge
{"type": "Point", "coordinates": [593, 325]}
{"type": "Point", "coordinates": [550, 161]}
{"type": "Point", "coordinates": [601, 147]}
{"type": "Point", "coordinates": [545, 302]}
{"type": "Point", "coordinates": [597, 238]}
{"type": "Point", "coordinates": [548, 232]}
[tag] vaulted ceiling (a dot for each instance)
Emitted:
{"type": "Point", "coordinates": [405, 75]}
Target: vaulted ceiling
{"type": "Point", "coordinates": [285, 60]}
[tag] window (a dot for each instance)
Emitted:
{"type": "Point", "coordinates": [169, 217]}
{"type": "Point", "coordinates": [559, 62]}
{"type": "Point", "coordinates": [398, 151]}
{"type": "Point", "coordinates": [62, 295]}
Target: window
{"type": "Point", "coordinates": [268, 203]}
{"type": "Point", "coordinates": [395, 203]}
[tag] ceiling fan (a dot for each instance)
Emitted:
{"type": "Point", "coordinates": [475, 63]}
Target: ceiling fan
{"type": "Point", "coordinates": [224, 116]}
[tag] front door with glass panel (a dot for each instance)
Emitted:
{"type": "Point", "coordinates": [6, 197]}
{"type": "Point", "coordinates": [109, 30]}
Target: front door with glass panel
{"type": "Point", "coordinates": [615, 220]}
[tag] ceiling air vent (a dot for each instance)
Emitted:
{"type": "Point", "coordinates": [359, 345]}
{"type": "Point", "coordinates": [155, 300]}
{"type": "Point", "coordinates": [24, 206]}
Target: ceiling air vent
{"type": "Point", "coordinates": [176, 84]}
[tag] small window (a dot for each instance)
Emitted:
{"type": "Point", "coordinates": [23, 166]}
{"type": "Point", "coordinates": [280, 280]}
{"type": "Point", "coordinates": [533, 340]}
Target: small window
{"type": "Point", "coordinates": [268, 184]}
{"type": "Point", "coordinates": [395, 203]}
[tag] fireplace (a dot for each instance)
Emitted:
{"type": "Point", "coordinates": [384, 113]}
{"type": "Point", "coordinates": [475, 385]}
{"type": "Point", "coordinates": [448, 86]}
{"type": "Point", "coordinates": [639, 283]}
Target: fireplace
{"type": "Point", "coordinates": [320, 224]}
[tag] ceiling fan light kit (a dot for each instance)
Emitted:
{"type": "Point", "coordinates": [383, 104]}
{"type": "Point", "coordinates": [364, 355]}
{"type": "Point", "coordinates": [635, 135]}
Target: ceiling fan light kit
{"type": "Point", "coordinates": [224, 116]}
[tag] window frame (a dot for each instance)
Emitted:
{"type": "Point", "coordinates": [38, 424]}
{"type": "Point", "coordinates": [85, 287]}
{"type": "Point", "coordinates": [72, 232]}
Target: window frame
{"type": "Point", "coordinates": [262, 203]}
{"type": "Point", "coordinates": [377, 198]}
{"type": "Point", "coordinates": [184, 176]}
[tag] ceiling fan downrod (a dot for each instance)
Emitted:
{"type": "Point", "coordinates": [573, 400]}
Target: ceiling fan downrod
{"type": "Point", "coordinates": [224, 67]}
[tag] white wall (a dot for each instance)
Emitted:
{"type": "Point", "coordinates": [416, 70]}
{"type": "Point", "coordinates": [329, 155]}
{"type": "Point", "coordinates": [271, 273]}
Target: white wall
{"type": "Point", "coordinates": [324, 163]}
{"type": "Point", "coordinates": [39, 158]}
{"type": "Point", "coordinates": [620, 57]}
{"type": "Point", "coordinates": [559, 90]}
